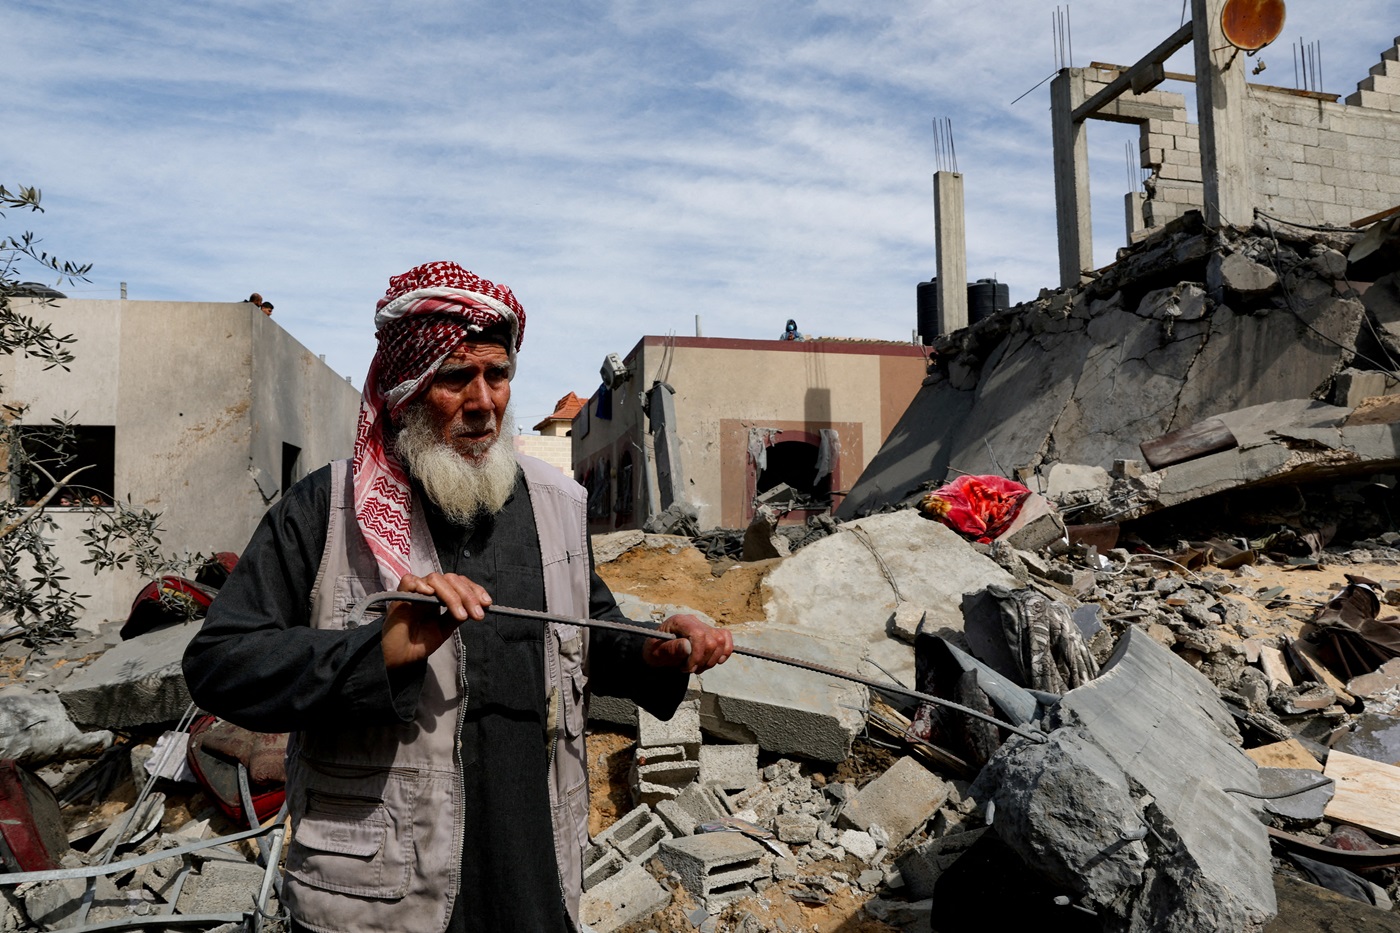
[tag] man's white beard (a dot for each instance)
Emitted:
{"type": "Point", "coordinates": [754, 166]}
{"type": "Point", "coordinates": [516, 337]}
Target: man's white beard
{"type": "Point", "coordinates": [462, 488]}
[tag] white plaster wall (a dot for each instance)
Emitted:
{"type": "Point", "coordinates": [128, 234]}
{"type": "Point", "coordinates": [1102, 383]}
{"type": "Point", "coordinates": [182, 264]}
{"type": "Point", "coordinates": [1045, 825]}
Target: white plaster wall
{"type": "Point", "coordinates": [296, 399]}
{"type": "Point", "coordinates": [199, 394]}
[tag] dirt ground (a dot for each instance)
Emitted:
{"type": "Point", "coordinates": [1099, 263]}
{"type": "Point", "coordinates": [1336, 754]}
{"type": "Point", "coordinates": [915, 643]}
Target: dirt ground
{"type": "Point", "coordinates": [727, 591]}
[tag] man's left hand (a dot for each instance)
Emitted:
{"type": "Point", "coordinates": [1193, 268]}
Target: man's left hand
{"type": "Point", "coordinates": [696, 648]}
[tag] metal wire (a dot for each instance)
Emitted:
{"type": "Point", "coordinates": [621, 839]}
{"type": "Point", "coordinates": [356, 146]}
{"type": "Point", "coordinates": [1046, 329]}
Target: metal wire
{"type": "Point", "coordinates": [357, 613]}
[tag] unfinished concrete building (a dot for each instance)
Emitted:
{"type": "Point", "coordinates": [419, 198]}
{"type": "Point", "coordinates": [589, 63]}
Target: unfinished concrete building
{"type": "Point", "coordinates": [204, 412]}
{"type": "Point", "coordinates": [1296, 155]}
{"type": "Point", "coordinates": [1253, 309]}
{"type": "Point", "coordinates": [708, 423]}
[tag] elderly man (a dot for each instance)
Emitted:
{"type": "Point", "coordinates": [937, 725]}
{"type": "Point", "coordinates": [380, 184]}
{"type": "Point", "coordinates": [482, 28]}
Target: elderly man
{"type": "Point", "coordinates": [437, 780]}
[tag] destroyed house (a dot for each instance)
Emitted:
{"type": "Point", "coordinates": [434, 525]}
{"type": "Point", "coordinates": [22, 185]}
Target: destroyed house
{"type": "Point", "coordinates": [1244, 339]}
{"type": "Point", "coordinates": [203, 412]}
{"type": "Point", "coordinates": [710, 423]}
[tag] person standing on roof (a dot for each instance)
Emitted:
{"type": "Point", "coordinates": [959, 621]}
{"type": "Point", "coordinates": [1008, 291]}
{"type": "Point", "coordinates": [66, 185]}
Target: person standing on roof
{"type": "Point", "coordinates": [437, 780]}
{"type": "Point", "coordinates": [790, 332]}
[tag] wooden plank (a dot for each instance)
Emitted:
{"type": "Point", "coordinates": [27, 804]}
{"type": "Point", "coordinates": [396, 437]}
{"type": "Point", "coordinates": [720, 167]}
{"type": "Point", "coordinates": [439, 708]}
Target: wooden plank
{"type": "Point", "coordinates": [1304, 654]}
{"type": "Point", "coordinates": [1378, 215]}
{"type": "Point", "coordinates": [1367, 794]}
{"type": "Point", "coordinates": [1204, 437]}
{"type": "Point", "coordinates": [1275, 667]}
{"type": "Point", "coordinates": [1289, 754]}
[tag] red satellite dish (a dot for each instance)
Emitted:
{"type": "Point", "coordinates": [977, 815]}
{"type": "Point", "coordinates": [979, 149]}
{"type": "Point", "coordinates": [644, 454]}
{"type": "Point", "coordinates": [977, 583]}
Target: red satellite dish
{"type": "Point", "coordinates": [1252, 24]}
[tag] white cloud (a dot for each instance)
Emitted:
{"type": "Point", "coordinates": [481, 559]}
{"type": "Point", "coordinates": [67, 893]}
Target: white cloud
{"type": "Point", "coordinates": [624, 166]}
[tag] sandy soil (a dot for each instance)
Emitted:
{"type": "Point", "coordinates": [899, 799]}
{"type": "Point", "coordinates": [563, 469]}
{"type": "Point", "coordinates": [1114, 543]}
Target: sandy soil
{"type": "Point", "coordinates": [727, 591]}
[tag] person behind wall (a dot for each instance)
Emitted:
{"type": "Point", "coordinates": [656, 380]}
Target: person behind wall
{"type": "Point", "coordinates": [437, 780]}
{"type": "Point", "coordinates": [255, 299]}
{"type": "Point", "coordinates": [790, 332]}
{"type": "Point", "coordinates": [266, 308]}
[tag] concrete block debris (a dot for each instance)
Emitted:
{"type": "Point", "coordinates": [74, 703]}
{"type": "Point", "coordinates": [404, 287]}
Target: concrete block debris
{"type": "Point", "coordinates": [621, 899]}
{"type": "Point", "coordinates": [899, 801]}
{"type": "Point", "coordinates": [636, 836]}
{"type": "Point", "coordinates": [716, 867]}
{"type": "Point", "coordinates": [696, 804]}
{"type": "Point", "coordinates": [139, 682]}
{"type": "Point", "coordinates": [662, 773]}
{"type": "Point", "coordinates": [731, 767]}
{"type": "Point", "coordinates": [682, 729]}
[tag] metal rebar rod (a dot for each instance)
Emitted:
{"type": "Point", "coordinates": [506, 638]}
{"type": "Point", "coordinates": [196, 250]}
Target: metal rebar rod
{"type": "Point", "coordinates": [1035, 735]}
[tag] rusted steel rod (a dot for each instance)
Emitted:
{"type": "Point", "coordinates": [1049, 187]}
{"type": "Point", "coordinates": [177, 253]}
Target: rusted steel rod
{"type": "Point", "coordinates": [356, 617]}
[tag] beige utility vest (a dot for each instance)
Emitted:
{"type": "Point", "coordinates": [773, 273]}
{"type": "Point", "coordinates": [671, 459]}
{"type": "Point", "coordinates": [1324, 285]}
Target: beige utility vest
{"type": "Point", "coordinates": [377, 810]}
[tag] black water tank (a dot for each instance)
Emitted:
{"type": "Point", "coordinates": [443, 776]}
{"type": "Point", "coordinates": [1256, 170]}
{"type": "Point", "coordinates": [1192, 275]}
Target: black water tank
{"type": "Point", "coordinates": [928, 311]}
{"type": "Point", "coordinates": [986, 297]}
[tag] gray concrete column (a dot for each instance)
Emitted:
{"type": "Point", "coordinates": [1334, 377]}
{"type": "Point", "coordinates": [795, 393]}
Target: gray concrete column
{"type": "Point", "coordinates": [1133, 203]}
{"type": "Point", "coordinates": [1075, 232]}
{"type": "Point", "coordinates": [950, 243]}
{"type": "Point", "coordinates": [1222, 109]}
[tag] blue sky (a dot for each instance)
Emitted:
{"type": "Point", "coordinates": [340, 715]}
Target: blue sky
{"type": "Point", "coordinates": [622, 166]}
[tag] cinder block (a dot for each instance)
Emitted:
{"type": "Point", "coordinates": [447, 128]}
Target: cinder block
{"type": "Point", "coordinates": [716, 867]}
{"type": "Point", "coordinates": [1330, 140]}
{"type": "Point", "coordinates": [1151, 156]}
{"type": "Point", "coordinates": [732, 767]}
{"type": "Point", "coordinates": [1188, 144]}
{"type": "Point", "coordinates": [682, 729]}
{"type": "Point", "coordinates": [1369, 99]}
{"type": "Point", "coordinates": [696, 804]}
{"type": "Point", "coordinates": [1181, 172]}
{"type": "Point", "coordinates": [1324, 194]}
{"type": "Point", "coordinates": [1307, 172]}
{"type": "Point", "coordinates": [636, 836]}
{"type": "Point", "coordinates": [622, 899]}
{"type": "Point", "coordinates": [601, 862]}
{"type": "Point", "coordinates": [662, 773]}
{"type": "Point", "coordinates": [1304, 135]}
{"type": "Point", "coordinates": [1387, 68]}
{"type": "Point", "coordinates": [899, 801]}
{"type": "Point", "coordinates": [1380, 84]}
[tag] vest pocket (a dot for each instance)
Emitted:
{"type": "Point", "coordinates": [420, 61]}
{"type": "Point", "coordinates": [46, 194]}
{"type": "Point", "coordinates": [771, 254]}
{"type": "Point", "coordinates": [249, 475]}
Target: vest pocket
{"type": "Point", "coordinates": [352, 840]}
{"type": "Point", "coordinates": [349, 590]}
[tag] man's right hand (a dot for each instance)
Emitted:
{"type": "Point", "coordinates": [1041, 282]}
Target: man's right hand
{"type": "Point", "coordinates": [413, 631]}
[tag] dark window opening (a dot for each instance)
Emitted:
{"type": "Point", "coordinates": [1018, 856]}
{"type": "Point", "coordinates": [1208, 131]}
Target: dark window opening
{"type": "Point", "coordinates": [794, 463]}
{"type": "Point", "coordinates": [61, 451]}
{"type": "Point", "coordinates": [624, 487]}
{"type": "Point", "coordinates": [598, 483]}
{"type": "Point", "coordinates": [291, 466]}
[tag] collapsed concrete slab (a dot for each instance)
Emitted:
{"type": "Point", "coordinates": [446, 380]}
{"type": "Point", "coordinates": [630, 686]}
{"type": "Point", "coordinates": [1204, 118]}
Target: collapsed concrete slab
{"type": "Point", "coordinates": [139, 682]}
{"type": "Point", "coordinates": [1084, 376]}
{"type": "Point", "coordinates": [899, 801]}
{"type": "Point", "coordinates": [35, 729]}
{"type": "Point", "coordinates": [783, 709]}
{"type": "Point", "coordinates": [844, 588]}
{"type": "Point", "coordinates": [1126, 804]}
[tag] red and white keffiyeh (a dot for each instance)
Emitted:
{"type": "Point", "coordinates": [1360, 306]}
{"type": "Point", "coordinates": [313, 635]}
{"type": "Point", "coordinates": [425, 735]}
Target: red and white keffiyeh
{"type": "Point", "coordinates": [426, 314]}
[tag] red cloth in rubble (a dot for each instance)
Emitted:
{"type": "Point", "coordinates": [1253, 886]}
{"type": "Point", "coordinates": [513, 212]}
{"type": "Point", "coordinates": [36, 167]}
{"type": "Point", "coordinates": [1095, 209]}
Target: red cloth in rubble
{"type": "Point", "coordinates": [978, 507]}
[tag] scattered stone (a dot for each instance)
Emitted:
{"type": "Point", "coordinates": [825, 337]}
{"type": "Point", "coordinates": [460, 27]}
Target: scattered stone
{"type": "Point", "coordinates": [1307, 806]}
{"type": "Point", "coordinates": [1149, 723]}
{"type": "Point", "coordinates": [622, 899]}
{"type": "Point", "coordinates": [730, 767]}
{"type": "Point", "coordinates": [35, 729]}
{"type": "Point", "coordinates": [899, 801]}
{"type": "Point", "coordinates": [796, 828]}
{"type": "Point", "coordinates": [859, 844]}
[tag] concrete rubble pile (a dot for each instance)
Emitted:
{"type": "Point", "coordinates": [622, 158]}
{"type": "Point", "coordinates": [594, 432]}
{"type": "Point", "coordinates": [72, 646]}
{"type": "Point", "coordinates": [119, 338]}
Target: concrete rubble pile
{"type": "Point", "coordinates": [1236, 357]}
{"type": "Point", "coordinates": [777, 793]}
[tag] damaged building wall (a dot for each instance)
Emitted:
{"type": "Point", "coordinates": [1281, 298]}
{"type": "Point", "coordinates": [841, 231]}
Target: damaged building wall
{"type": "Point", "coordinates": [1312, 158]}
{"type": "Point", "coordinates": [725, 390]}
{"type": "Point", "coordinates": [212, 405]}
{"type": "Point", "coordinates": [1186, 326]}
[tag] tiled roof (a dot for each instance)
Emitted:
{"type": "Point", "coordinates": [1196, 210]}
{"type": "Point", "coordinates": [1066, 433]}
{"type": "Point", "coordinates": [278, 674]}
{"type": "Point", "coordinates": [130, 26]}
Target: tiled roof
{"type": "Point", "coordinates": [564, 409]}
